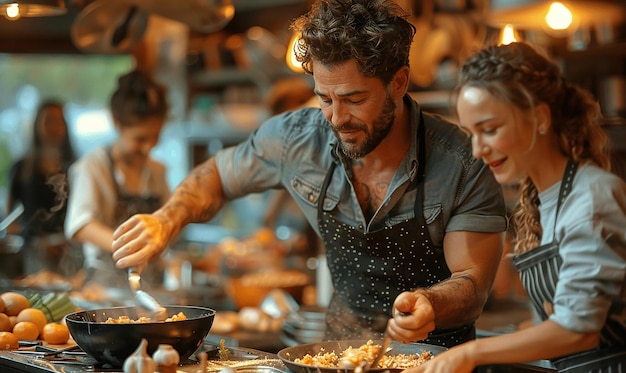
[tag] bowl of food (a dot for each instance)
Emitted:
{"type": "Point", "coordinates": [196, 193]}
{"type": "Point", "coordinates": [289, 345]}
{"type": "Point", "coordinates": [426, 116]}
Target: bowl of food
{"type": "Point", "coordinates": [110, 335]}
{"type": "Point", "coordinates": [250, 289]}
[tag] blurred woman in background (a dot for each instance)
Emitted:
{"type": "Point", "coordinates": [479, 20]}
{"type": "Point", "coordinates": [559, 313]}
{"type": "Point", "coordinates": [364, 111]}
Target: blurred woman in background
{"type": "Point", "coordinates": [121, 179]}
{"type": "Point", "coordinates": [38, 183]}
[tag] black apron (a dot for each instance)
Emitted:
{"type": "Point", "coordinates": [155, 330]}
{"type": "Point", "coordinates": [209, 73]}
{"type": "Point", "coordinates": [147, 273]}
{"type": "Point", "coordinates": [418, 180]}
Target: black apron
{"type": "Point", "coordinates": [539, 273]}
{"type": "Point", "coordinates": [126, 205]}
{"type": "Point", "coordinates": [369, 270]}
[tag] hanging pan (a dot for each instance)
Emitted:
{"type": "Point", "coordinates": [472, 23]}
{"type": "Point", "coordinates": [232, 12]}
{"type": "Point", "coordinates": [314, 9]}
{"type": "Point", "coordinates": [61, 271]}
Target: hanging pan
{"type": "Point", "coordinates": [109, 27]}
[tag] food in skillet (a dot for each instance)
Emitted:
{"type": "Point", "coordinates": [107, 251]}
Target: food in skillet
{"type": "Point", "coordinates": [353, 357]}
{"type": "Point", "coordinates": [143, 319]}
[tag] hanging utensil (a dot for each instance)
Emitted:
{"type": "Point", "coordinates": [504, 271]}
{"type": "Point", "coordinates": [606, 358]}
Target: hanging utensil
{"type": "Point", "coordinates": [143, 299]}
{"type": "Point", "coordinates": [121, 32]}
{"type": "Point", "coordinates": [109, 27]}
{"type": "Point", "coordinates": [202, 16]}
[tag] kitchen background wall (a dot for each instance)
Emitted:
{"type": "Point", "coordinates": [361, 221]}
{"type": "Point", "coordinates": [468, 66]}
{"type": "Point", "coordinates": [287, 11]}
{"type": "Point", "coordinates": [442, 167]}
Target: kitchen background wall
{"type": "Point", "coordinates": [219, 75]}
{"type": "Point", "coordinates": [219, 72]}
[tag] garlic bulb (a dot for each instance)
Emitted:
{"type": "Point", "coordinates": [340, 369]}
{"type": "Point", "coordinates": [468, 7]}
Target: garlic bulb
{"type": "Point", "coordinates": [166, 356]}
{"type": "Point", "coordinates": [139, 361]}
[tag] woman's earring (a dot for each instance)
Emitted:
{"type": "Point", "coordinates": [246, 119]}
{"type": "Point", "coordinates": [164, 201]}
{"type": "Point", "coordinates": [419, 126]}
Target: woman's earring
{"type": "Point", "coordinates": [542, 132]}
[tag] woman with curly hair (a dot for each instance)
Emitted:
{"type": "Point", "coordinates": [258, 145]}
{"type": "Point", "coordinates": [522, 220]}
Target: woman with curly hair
{"type": "Point", "coordinates": [530, 125]}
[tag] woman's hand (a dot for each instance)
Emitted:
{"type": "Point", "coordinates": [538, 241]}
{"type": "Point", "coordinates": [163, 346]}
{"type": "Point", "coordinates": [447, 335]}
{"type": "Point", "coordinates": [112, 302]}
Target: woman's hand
{"type": "Point", "coordinates": [139, 239]}
{"type": "Point", "coordinates": [414, 317]}
{"type": "Point", "coordinates": [457, 359]}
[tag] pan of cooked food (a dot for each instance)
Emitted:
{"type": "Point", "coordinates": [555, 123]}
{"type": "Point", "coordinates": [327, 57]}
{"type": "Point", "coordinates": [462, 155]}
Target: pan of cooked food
{"type": "Point", "coordinates": [110, 335]}
{"type": "Point", "coordinates": [349, 355]}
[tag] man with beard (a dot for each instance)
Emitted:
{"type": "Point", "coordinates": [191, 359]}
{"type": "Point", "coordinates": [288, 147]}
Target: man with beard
{"type": "Point", "coordinates": [394, 193]}
{"type": "Point", "coordinates": [118, 180]}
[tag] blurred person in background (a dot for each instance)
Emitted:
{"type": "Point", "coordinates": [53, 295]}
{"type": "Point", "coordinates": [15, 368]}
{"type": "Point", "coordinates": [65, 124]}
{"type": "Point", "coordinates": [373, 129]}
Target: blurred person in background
{"type": "Point", "coordinates": [528, 123]}
{"type": "Point", "coordinates": [118, 180]}
{"type": "Point", "coordinates": [38, 183]}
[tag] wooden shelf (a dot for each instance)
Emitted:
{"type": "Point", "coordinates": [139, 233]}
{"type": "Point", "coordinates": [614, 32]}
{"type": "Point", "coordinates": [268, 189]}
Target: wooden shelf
{"type": "Point", "coordinates": [594, 52]}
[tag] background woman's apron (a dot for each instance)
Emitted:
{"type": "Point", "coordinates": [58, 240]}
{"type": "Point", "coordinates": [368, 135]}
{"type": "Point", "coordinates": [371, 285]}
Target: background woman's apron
{"type": "Point", "coordinates": [369, 270]}
{"type": "Point", "coordinates": [539, 273]}
{"type": "Point", "coordinates": [126, 205]}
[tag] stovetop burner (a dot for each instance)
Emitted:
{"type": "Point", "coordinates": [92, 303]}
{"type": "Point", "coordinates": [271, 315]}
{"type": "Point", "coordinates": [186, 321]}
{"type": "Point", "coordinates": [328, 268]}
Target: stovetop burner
{"type": "Point", "coordinates": [70, 361]}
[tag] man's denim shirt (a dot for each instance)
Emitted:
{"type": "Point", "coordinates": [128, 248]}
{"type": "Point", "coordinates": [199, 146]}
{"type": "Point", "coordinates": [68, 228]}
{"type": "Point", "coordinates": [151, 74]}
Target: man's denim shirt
{"type": "Point", "coordinates": [294, 151]}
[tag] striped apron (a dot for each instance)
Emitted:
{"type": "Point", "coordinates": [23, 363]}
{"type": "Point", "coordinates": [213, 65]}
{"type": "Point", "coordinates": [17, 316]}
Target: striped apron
{"type": "Point", "coordinates": [539, 273]}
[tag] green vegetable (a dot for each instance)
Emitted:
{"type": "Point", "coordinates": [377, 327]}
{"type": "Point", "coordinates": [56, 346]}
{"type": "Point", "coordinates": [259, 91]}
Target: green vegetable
{"type": "Point", "coordinates": [54, 305]}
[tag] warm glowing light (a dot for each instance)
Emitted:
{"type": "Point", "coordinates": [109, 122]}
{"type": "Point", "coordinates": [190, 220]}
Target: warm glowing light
{"type": "Point", "coordinates": [12, 12]}
{"type": "Point", "coordinates": [94, 123]}
{"type": "Point", "coordinates": [559, 17]}
{"type": "Point", "coordinates": [508, 35]}
{"type": "Point", "coordinates": [290, 57]}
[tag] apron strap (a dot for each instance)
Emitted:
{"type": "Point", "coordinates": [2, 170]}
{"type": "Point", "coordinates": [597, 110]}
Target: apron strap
{"type": "Point", "coordinates": [327, 178]}
{"type": "Point", "coordinates": [418, 209]}
{"type": "Point", "coordinates": [566, 187]}
{"type": "Point", "coordinates": [112, 172]}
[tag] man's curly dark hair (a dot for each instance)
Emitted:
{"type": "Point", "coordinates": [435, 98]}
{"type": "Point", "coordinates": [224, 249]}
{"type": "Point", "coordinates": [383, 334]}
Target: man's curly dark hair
{"type": "Point", "coordinates": [375, 33]}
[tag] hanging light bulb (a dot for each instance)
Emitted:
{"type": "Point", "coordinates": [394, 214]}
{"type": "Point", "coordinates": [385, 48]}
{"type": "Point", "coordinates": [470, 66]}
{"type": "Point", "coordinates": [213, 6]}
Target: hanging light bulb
{"type": "Point", "coordinates": [556, 17]}
{"type": "Point", "coordinates": [290, 57]}
{"type": "Point", "coordinates": [559, 17]}
{"type": "Point", "coordinates": [508, 35]}
{"type": "Point", "coordinates": [14, 9]}
{"type": "Point", "coordinates": [12, 12]}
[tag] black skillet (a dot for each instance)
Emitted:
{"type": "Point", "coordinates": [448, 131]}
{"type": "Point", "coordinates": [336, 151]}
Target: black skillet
{"type": "Point", "coordinates": [113, 343]}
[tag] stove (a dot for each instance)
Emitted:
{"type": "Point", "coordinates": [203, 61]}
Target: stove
{"type": "Point", "coordinates": [240, 359]}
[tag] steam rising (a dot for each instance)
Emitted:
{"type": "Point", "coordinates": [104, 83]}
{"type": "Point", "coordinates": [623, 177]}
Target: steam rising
{"type": "Point", "coordinates": [58, 183]}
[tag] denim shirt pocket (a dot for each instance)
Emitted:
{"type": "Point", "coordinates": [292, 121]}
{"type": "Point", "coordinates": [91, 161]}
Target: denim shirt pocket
{"type": "Point", "coordinates": [433, 214]}
{"type": "Point", "coordinates": [310, 193]}
{"type": "Point", "coordinates": [434, 220]}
